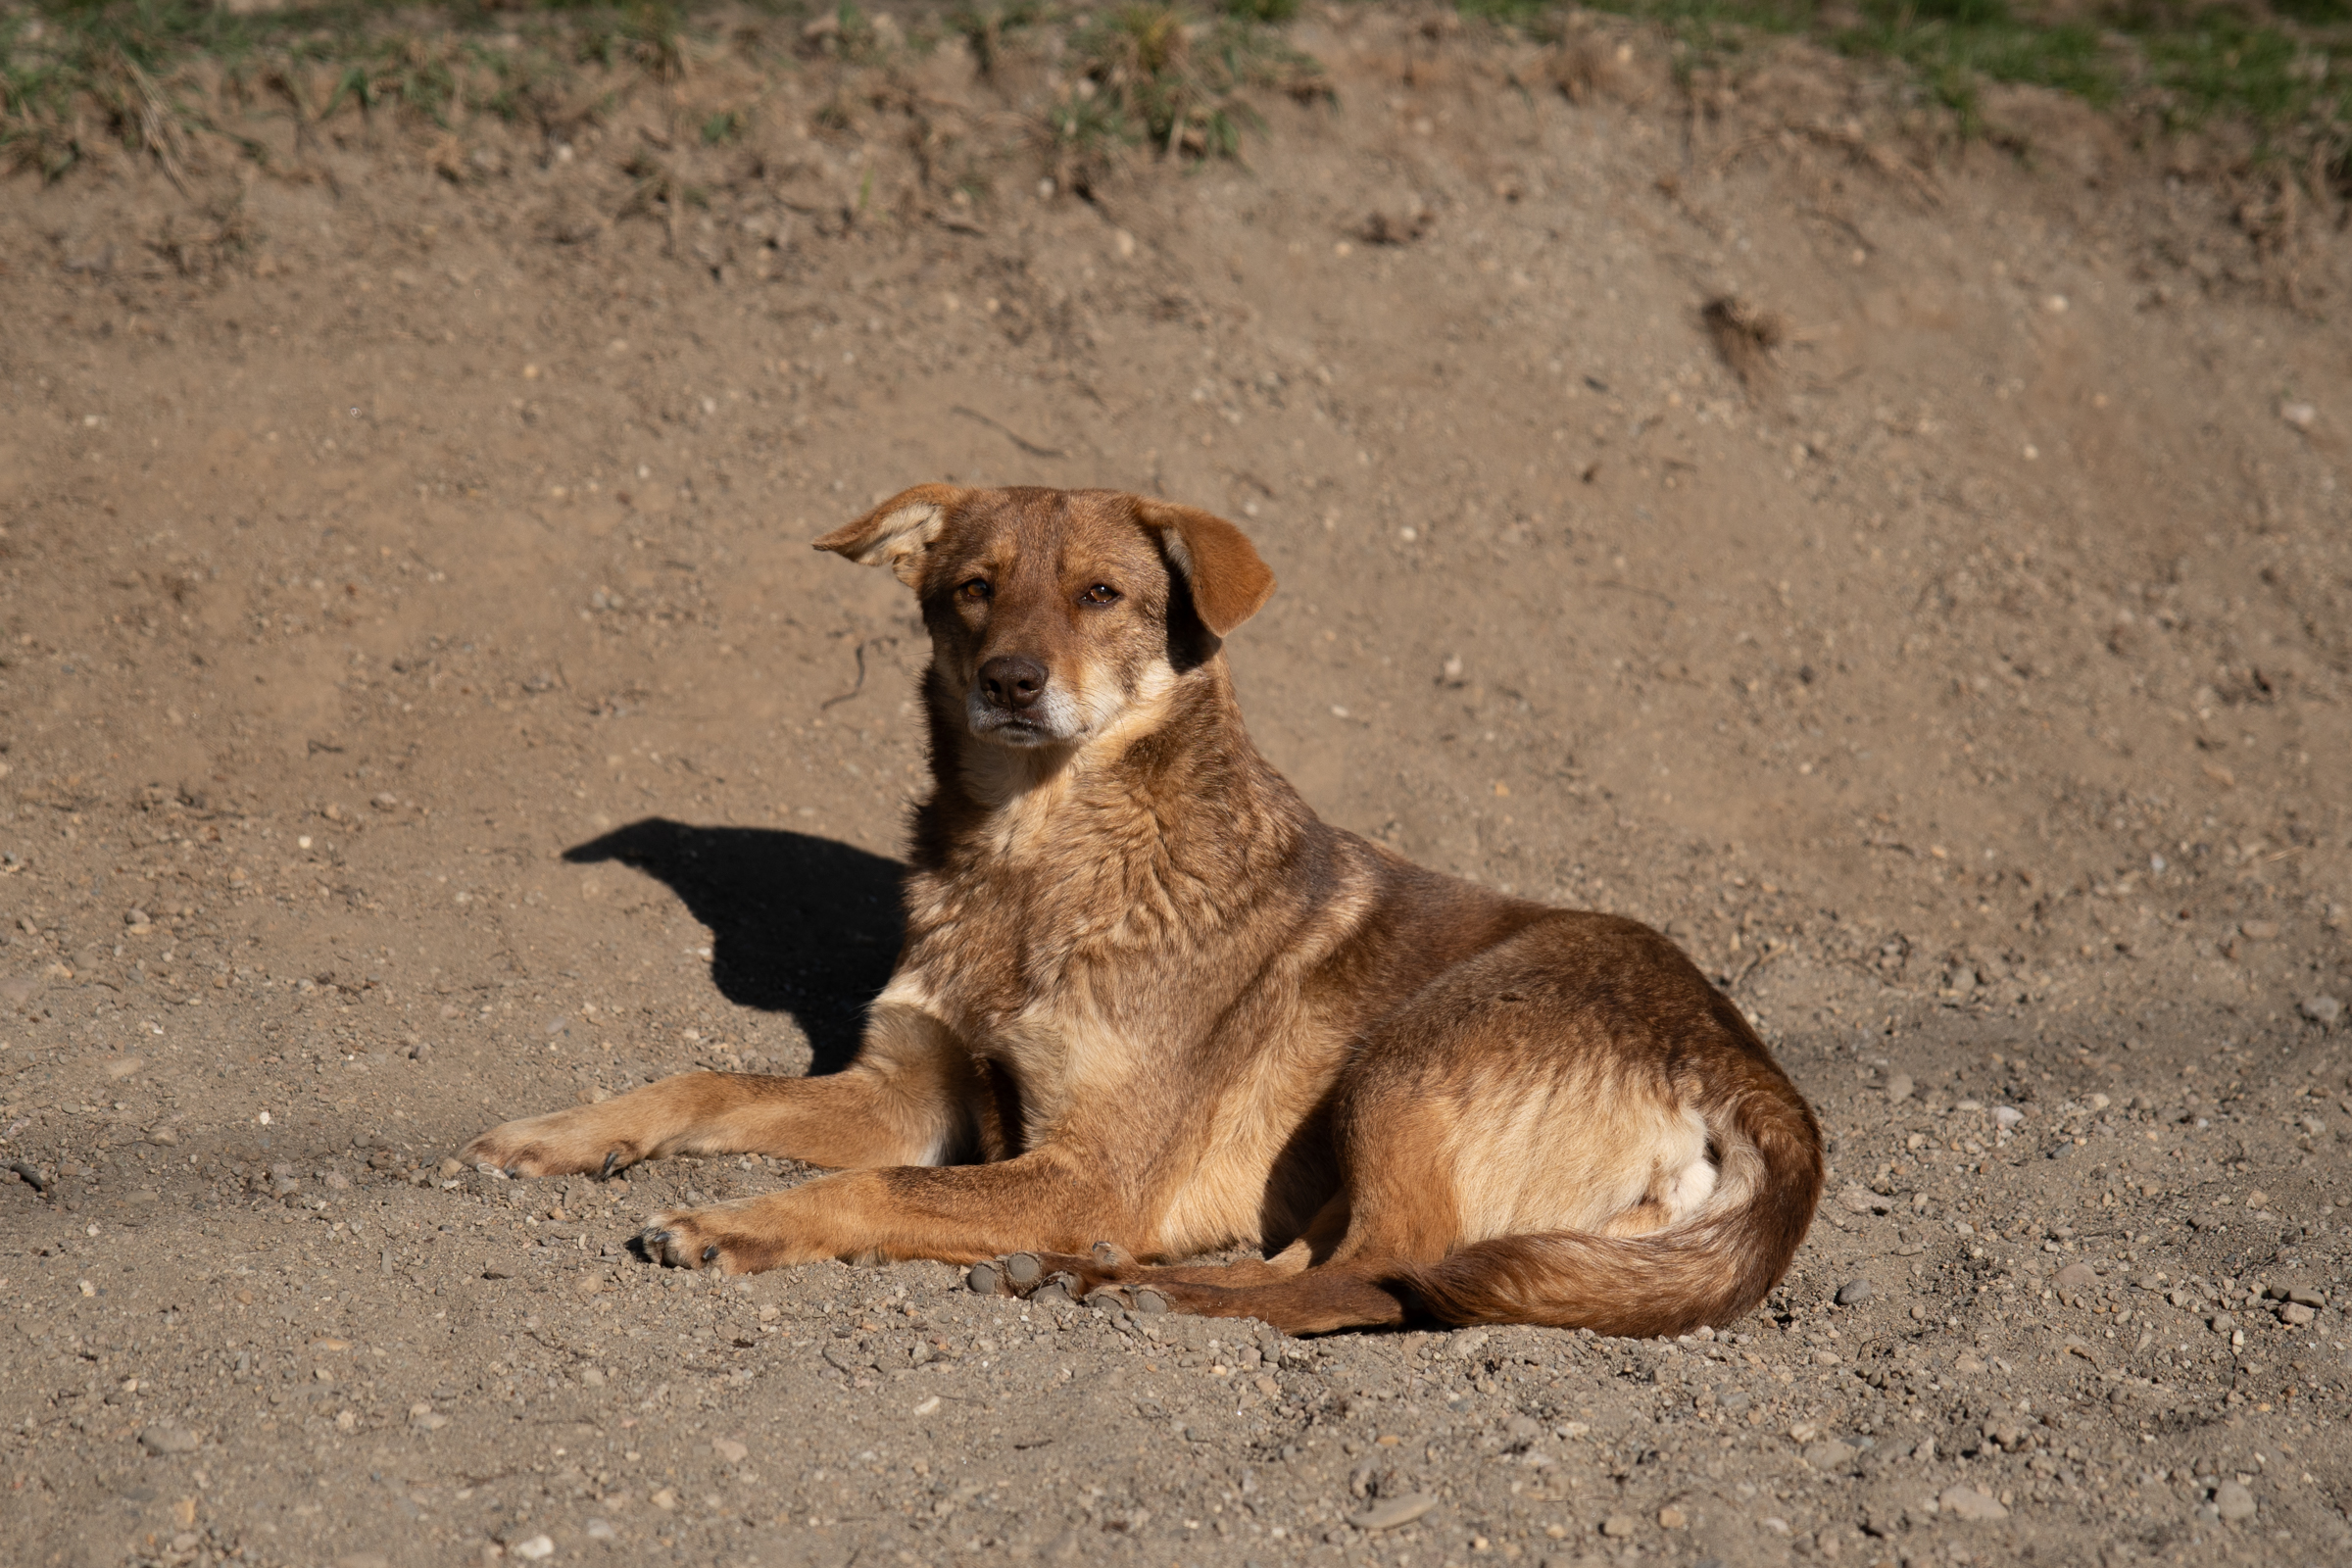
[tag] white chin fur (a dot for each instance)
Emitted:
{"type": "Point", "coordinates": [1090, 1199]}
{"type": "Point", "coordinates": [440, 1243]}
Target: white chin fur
{"type": "Point", "coordinates": [1051, 722]}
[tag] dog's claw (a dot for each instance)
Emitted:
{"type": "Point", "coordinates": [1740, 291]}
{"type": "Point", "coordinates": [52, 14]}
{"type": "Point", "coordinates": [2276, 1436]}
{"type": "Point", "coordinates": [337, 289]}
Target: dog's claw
{"type": "Point", "coordinates": [610, 1154]}
{"type": "Point", "coordinates": [710, 1252]}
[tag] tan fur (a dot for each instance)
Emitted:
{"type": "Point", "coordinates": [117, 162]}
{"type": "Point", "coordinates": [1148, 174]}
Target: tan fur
{"type": "Point", "coordinates": [1150, 1006]}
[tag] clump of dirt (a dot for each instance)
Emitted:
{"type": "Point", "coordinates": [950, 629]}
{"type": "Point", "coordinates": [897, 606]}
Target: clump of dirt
{"type": "Point", "coordinates": [418, 706]}
{"type": "Point", "coordinates": [1746, 337]}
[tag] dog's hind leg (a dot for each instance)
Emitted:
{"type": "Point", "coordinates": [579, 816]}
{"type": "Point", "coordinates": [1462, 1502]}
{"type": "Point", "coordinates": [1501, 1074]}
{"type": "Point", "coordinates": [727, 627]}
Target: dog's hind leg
{"type": "Point", "coordinates": [1314, 1300]}
{"type": "Point", "coordinates": [1105, 1265]}
{"type": "Point", "coordinates": [1083, 1274]}
{"type": "Point", "coordinates": [913, 1098]}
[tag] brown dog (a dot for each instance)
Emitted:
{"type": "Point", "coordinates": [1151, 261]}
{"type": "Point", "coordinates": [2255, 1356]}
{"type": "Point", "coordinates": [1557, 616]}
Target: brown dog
{"type": "Point", "coordinates": [1148, 1002]}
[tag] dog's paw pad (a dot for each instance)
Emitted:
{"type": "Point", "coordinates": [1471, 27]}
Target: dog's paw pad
{"type": "Point", "coordinates": [1147, 1300]}
{"type": "Point", "coordinates": [987, 1279]}
{"type": "Point", "coordinates": [1059, 1290]}
{"type": "Point", "coordinates": [1022, 1270]}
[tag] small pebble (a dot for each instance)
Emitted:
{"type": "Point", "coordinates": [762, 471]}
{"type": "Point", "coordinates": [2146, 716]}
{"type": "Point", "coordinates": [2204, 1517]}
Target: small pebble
{"type": "Point", "coordinates": [2322, 1009]}
{"type": "Point", "coordinates": [169, 1439]}
{"type": "Point", "coordinates": [2232, 1502]}
{"type": "Point", "coordinates": [1899, 1086]}
{"type": "Point", "coordinates": [1618, 1526]}
{"type": "Point", "coordinates": [1967, 1502]}
{"type": "Point", "coordinates": [730, 1449]}
{"type": "Point", "coordinates": [1853, 1293]}
{"type": "Point", "coordinates": [1394, 1511]}
{"type": "Point", "coordinates": [533, 1549]}
{"type": "Point", "coordinates": [2075, 1276]}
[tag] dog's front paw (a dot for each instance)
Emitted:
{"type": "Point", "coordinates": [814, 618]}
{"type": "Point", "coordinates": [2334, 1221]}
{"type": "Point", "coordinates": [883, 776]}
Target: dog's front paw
{"type": "Point", "coordinates": [722, 1236]}
{"type": "Point", "coordinates": [562, 1143]}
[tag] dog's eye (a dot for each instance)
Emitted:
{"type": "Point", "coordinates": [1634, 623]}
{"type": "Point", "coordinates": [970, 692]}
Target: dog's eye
{"type": "Point", "coordinates": [1100, 593]}
{"type": "Point", "coordinates": [977, 590]}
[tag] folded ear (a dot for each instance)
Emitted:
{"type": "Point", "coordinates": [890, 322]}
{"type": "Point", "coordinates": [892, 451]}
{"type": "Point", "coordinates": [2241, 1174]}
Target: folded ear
{"type": "Point", "coordinates": [1229, 582]}
{"type": "Point", "coordinates": [895, 533]}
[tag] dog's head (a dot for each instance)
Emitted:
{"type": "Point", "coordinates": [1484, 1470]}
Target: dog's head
{"type": "Point", "coordinates": [1053, 613]}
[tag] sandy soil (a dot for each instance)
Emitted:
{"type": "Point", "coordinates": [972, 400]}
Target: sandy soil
{"type": "Point", "coordinates": [420, 707]}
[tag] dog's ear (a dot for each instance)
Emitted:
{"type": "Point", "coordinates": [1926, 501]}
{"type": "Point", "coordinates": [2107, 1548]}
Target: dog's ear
{"type": "Point", "coordinates": [1228, 581]}
{"type": "Point", "coordinates": [895, 533]}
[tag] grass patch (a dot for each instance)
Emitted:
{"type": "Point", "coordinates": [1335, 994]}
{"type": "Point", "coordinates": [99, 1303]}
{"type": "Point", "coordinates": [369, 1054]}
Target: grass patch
{"type": "Point", "coordinates": [151, 76]}
{"type": "Point", "coordinates": [2284, 67]}
{"type": "Point", "coordinates": [159, 77]}
{"type": "Point", "coordinates": [1161, 76]}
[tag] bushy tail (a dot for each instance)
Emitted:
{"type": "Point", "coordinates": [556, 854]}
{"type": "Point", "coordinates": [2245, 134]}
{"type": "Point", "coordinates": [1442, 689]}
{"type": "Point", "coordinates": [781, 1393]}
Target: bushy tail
{"type": "Point", "coordinates": [1707, 1271]}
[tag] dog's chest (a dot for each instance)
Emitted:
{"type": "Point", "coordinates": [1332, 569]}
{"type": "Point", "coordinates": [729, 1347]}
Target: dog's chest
{"type": "Point", "coordinates": [1030, 1005]}
{"type": "Point", "coordinates": [1051, 985]}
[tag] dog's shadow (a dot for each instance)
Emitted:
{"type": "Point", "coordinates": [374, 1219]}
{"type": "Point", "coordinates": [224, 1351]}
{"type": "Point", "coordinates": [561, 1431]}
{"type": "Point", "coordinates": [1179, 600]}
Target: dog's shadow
{"type": "Point", "coordinates": [800, 926]}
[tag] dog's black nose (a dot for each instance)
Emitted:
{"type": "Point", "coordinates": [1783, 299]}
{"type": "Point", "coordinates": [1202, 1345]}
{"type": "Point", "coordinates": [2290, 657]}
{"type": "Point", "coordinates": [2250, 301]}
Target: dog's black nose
{"type": "Point", "coordinates": [1012, 682]}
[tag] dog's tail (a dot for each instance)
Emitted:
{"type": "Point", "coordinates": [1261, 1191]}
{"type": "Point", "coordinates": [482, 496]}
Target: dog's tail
{"type": "Point", "coordinates": [1708, 1270]}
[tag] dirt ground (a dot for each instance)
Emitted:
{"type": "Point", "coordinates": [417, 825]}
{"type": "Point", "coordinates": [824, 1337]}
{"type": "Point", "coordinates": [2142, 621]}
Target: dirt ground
{"type": "Point", "coordinates": [420, 707]}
